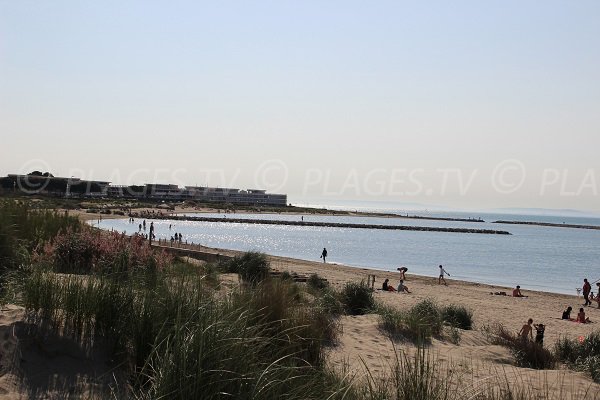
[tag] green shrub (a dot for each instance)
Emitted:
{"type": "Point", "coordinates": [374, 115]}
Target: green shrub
{"type": "Point", "coordinates": [457, 316]}
{"type": "Point", "coordinates": [426, 317]}
{"type": "Point", "coordinates": [329, 301]}
{"type": "Point", "coordinates": [419, 324]}
{"type": "Point", "coordinates": [286, 276]}
{"type": "Point", "coordinates": [527, 354]}
{"type": "Point", "coordinates": [316, 282]}
{"type": "Point", "coordinates": [253, 266]}
{"type": "Point", "coordinates": [357, 298]}
{"type": "Point", "coordinates": [582, 355]}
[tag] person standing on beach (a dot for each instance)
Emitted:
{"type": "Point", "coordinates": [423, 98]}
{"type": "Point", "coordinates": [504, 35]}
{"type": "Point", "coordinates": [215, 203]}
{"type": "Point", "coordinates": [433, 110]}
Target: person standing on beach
{"type": "Point", "coordinates": [324, 254]}
{"type": "Point", "coordinates": [441, 278]}
{"type": "Point", "coordinates": [402, 271]}
{"type": "Point", "coordinates": [587, 288]}
{"type": "Point", "coordinates": [526, 331]}
{"type": "Point", "coordinates": [151, 231]}
{"type": "Point", "coordinates": [539, 335]}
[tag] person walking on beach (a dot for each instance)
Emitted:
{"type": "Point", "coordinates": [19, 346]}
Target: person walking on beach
{"type": "Point", "coordinates": [526, 331]}
{"type": "Point", "coordinates": [587, 288]}
{"type": "Point", "coordinates": [324, 254]}
{"type": "Point", "coordinates": [441, 278]}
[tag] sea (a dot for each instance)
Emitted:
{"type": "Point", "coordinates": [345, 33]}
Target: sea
{"type": "Point", "coordinates": [541, 258]}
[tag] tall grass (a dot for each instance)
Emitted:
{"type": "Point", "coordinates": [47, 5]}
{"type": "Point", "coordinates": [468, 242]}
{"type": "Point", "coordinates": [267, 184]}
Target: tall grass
{"type": "Point", "coordinates": [252, 266]}
{"type": "Point", "coordinates": [23, 229]}
{"type": "Point", "coordinates": [526, 353]}
{"type": "Point", "coordinates": [178, 340]}
{"type": "Point", "coordinates": [357, 298]}
{"type": "Point", "coordinates": [424, 321]}
{"type": "Point", "coordinates": [92, 251]}
{"type": "Point", "coordinates": [583, 355]}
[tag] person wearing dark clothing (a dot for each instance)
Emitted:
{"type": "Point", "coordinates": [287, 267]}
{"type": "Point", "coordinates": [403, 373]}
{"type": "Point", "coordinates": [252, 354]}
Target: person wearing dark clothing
{"type": "Point", "coordinates": [387, 287]}
{"type": "Point", "coordinates": [324, 254]}
{"type": "Point", "coordinates": [539, 335]}
{"type": "Point", "coordinates": [567, 313]}
{"type": "Point", "coordinates": [587, 288]}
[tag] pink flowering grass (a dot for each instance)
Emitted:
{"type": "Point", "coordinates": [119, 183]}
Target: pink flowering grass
{"type": "Point", "coordinates": [92, 251]}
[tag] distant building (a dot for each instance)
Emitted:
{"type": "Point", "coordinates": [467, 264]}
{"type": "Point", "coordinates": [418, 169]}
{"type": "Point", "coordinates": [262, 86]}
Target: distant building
{"type": "Point", "coordinates": [55, 185]}
{"type": "Point", "coordinates": [234, 196]}
{"type": "Point", "coordinates": [75, 187]}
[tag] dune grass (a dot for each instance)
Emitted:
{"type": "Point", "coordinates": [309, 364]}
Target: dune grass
{"type": "Point", "coordinates": [424, 321]}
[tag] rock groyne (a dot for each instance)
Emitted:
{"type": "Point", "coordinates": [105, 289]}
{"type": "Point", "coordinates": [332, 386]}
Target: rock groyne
{"type": "Point", "coordinates": [330, 224]}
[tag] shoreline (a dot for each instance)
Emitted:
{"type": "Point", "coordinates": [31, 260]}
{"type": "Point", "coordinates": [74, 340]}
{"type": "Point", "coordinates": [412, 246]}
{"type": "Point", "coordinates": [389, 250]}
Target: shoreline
{"type": "Point", "coordinates": [503, 285]}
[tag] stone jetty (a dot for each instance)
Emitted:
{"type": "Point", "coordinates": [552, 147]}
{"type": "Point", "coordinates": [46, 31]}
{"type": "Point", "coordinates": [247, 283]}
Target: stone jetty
{"type": "Point", "coordinates": [328, 224]}
{"type": "Point", "coordinates": [551, 224]}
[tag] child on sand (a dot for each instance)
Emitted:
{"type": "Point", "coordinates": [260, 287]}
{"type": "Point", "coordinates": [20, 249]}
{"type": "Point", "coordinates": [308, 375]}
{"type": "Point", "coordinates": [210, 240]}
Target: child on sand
{"type": "Point", "coordinates": [582, 318]}
{"type": "Point", "coordinates": [441, 278]}
{"type": "Point", "coordinates": [526, 331]}
{"type": "Point", "coordinates": [567, 313]}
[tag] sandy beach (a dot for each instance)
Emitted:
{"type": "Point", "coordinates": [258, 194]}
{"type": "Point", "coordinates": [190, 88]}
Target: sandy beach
{"type": "Point", "coordinates": [363, 346]}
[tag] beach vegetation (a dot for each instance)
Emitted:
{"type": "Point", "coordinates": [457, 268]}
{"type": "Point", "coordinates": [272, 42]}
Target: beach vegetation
{"type": "Point", "coordinates": [457, 316]}
{"type": "Point", "coordinates": [88, 250]}
{"type": "Point", "coordinates": [582, 354]}
{"type": "Point", "coordinates": [526, 353]}
{"type": "Point", "coordinates": [357, 298]}
{"type": "Point", "coordinates": [252, 266]}
{"type": "Point", "coordinates": [424, 321]}
{"type": "Point", "coordinates": [316, 282]}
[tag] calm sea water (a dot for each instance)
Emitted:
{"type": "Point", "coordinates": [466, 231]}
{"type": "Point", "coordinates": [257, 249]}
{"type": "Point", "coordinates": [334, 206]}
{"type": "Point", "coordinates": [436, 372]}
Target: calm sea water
{"type": "Point", "coordinates": [537, 258]}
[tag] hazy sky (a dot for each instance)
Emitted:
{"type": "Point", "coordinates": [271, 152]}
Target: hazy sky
{"type": "Point", "coordinates": [465, 103]}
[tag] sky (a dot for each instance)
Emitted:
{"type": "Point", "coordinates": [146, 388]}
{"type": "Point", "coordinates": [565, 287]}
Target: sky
{"type": "Point", "coordinates": [465, 104]}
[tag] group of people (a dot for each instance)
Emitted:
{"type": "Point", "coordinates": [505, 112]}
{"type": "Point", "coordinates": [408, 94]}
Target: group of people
{"type": "Point", "coordinates": [588, 295]}
{"type": "Point", "coordinates": [526, 332]}
{"type": "Point", "coordinates": [402, 288]}
{"type": "Point", "coordinates": [580, 315]}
